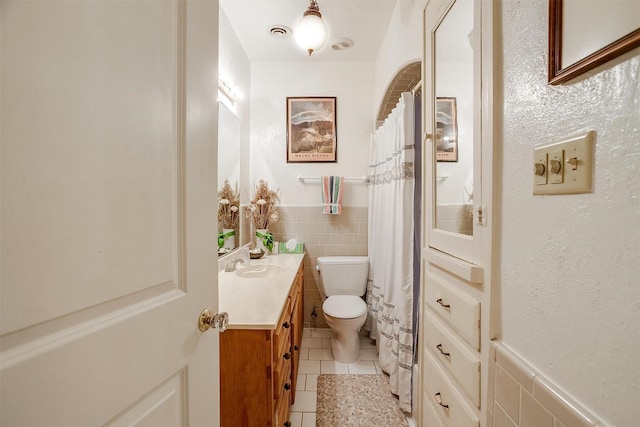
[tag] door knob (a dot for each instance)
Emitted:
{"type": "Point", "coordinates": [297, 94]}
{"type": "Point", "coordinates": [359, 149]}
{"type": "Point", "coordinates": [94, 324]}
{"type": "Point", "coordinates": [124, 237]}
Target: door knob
{"type": "Point", "coordinates": [209, 320]}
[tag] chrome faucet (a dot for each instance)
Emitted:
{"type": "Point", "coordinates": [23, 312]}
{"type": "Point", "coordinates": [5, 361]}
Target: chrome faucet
{"type": "Point", "coordinates": [242, 258]}
{"type": "Point", "coordinates": [233, 264]}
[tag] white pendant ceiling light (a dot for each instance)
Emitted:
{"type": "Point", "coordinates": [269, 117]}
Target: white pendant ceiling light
{"type": "Point", "coordinates": [311, 31]}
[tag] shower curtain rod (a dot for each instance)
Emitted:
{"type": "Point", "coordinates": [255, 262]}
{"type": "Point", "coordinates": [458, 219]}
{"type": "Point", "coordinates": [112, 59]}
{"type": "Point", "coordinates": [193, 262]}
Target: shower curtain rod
{"type": "Point", "coordinates": [417, 88]}
{"type": "Point", "coordinates": [347, 178]}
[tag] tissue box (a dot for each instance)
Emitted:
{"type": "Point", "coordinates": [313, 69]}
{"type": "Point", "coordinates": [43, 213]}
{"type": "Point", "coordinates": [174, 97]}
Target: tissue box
{"type": "Point", "coordinates": [299, 249]}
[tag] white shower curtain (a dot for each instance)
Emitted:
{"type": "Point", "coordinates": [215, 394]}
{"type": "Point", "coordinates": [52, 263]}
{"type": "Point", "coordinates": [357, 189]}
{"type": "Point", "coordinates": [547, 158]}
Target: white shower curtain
{"type": "Point", "coordinates": [390, 287]}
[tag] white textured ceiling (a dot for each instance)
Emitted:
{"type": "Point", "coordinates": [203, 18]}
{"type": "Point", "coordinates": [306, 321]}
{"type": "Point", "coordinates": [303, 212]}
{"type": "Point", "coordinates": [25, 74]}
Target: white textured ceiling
{"type": "Point", "coordinates": [363, 21]}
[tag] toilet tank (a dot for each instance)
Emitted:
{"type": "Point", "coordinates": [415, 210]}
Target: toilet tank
{"type": "Point", "coordinates": [343, 275]}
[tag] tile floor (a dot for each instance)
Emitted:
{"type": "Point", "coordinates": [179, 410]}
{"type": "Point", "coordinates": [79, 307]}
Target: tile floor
{"type": "Point", "coordinates": [315, 359]}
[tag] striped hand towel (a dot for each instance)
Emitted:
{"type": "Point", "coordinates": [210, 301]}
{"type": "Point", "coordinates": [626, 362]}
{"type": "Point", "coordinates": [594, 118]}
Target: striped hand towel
{"type": "Point", "coordinates": [332, 194]}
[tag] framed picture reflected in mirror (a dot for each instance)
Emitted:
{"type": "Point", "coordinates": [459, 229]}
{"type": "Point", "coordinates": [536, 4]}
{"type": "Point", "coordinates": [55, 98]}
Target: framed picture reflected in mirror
{"type": "Point", "coordinates": [446, 130]}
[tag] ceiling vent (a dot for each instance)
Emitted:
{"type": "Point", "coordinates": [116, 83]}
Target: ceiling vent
{"type": "Point", "coordinates": [341, 44]}
{"type": "Point", "coordinates": [280, 31]}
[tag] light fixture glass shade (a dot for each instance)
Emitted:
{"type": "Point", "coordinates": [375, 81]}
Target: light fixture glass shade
{"type": "Point", "coordinates": [311, 33]}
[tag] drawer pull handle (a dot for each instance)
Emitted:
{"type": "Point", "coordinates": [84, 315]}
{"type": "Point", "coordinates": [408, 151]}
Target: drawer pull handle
{"type": "Point", "coordinates": [286, 325]}
{"type": "Point", "coordinates": [442, 352]}
{"type": "Point", "coordinates": [439, 401]}
{"type": "Point", "coordinates": [443, 305]}
{"type": "Point", "coordinates": [287, 386]}
{"type": "Point", "coordinates": [287, 356]}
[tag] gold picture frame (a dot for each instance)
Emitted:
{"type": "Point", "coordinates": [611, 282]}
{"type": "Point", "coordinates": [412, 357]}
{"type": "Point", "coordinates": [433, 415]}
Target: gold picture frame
{"type": "Point", "coordinates": [311, 129]}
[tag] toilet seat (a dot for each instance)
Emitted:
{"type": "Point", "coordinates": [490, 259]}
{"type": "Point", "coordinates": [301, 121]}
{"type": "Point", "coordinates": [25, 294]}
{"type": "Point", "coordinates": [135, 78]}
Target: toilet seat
{"type": "Point", "coordinates": [344, 306]}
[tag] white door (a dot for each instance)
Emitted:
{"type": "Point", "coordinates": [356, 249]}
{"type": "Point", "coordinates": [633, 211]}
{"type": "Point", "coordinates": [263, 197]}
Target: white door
{"type": "Point", "coordinates": [108, 213]}
{"type": "Point", "coordinates": [457, 226]}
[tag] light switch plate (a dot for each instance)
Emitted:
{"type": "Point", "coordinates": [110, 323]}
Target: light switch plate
{"type": "Point", "coordinates": [576, 154]}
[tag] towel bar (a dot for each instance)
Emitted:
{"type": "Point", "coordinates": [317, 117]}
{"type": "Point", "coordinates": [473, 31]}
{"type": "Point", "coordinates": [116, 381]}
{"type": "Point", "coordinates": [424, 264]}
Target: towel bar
{"type": "Point", "coordinates": [347, 178]}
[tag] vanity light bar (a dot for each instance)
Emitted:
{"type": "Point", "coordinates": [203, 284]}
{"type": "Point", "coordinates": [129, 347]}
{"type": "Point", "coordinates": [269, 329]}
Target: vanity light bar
{"type": "Point", "coordinates": [229, 91]}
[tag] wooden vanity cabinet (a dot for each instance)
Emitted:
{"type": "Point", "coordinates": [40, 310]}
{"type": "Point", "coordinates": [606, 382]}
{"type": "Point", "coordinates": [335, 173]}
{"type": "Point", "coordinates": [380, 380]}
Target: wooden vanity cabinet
{"type": "Point", "coordinates": [297, 319]}
{"type": "Point", "coordinates": [258, 368]}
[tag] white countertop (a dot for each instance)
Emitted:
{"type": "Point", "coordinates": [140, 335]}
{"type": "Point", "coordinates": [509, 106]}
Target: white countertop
{"type": "Point", "coordinates": [257, 303]}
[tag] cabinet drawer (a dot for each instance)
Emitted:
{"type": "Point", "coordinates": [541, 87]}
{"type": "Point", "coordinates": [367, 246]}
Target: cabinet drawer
{"type": "Point", "coordinates": [298, 279]}
{"type": "Point", "coordinates": [459, 309]}
{"type": "Point", "coordinates": [462, 363]}
{"type": "Point", "coordinates": [295, 294]}
{"type": "Point", "coordinates": [282, 376]}
{"type": "Point", "coordinates": [448, 403]}
{"type": "Point", "coordinates": [429, 415]}
{"type": "Point", "coordinates": [283, 410]}
{"type": "Point", "coordinates": [282, 334]}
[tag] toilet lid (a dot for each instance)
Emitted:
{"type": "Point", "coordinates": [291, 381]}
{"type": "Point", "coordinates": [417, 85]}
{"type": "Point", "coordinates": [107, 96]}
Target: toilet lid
{"type": "Point", "coordinates": [344, 306]}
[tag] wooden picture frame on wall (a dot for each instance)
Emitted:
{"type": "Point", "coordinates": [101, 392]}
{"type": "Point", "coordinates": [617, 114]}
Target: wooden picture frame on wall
{"type": "Point", "coordinates": [582, 37]}
{"type": "Point", "coordinates": [446, 130]}
{"type": "Point", "coordinates": [311, 129]}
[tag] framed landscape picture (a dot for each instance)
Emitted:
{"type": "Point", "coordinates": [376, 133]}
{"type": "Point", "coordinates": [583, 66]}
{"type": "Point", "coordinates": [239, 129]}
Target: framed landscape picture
{"type": "Point", "coordinates": [446, 130]}
{"type": "Point", "coordinates": [311, 129]}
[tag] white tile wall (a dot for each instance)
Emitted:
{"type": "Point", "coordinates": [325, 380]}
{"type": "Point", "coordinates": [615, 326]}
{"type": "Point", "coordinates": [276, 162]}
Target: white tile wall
{"type": "Point", "coordinates": [524, 398]}
{"type": "Point", "coordinates": [456, 218]}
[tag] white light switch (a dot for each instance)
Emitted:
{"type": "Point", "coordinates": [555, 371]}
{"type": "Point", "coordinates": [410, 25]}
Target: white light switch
{"type": "Point", "coordinates": [569, 166]}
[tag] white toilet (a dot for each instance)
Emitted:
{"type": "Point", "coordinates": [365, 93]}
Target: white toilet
{"type": "Point", "coordinates": [343, 280]}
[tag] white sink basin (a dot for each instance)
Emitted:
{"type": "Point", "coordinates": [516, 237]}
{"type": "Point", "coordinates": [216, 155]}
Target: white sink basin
{"type": "Point", "coordinates": [259, 271]}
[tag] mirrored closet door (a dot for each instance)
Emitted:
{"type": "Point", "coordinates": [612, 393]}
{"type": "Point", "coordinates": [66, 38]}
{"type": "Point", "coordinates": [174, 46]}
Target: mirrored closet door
{"type": "Point", "coordinates": [455, 317]}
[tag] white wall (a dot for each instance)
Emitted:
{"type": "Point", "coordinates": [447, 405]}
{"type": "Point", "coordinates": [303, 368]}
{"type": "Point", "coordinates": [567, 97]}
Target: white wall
{"type": "Point", "coordinates": [568, 269]}
{"type": "Point", "coordinates": [359, 87]}
{"type": "Point", "coordinates": [234, 65]}
{"type": "Point", "coordinates": [402, 45]}
{"type": "Point", "coordinates": [271, 83]}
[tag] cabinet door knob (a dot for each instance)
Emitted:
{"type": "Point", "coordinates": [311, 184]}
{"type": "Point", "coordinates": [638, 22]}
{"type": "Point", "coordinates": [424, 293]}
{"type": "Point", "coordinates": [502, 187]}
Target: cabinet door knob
{"type": "Point", "coordinates": [296, 348]}
{"type": "Point", "coordinates": [287, 356]}
{"type": "Point", "coordinates": [287, 386]}
{"type": "Point", "coordinates": [286, 325]}
{"type": "Point", "coordinates": [287, 424]}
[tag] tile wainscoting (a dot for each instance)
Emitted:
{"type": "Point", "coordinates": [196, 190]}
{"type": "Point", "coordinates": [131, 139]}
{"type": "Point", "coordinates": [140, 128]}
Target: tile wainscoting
{"type": "Point", "coordinates": [523, 398]}
{"type": "Point", "coordinates": [323, 235]}
{"type": "Point", "coordinates": [457, 218]}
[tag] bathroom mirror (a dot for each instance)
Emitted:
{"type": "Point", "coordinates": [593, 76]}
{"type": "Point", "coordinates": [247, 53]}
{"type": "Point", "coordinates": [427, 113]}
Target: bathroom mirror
{"type": "Point", "coordinates": [228, 153]}
{"type": "Point", "coordinates": [228, 146]}
{"type": "Point", "coordinates": [454, 119]}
